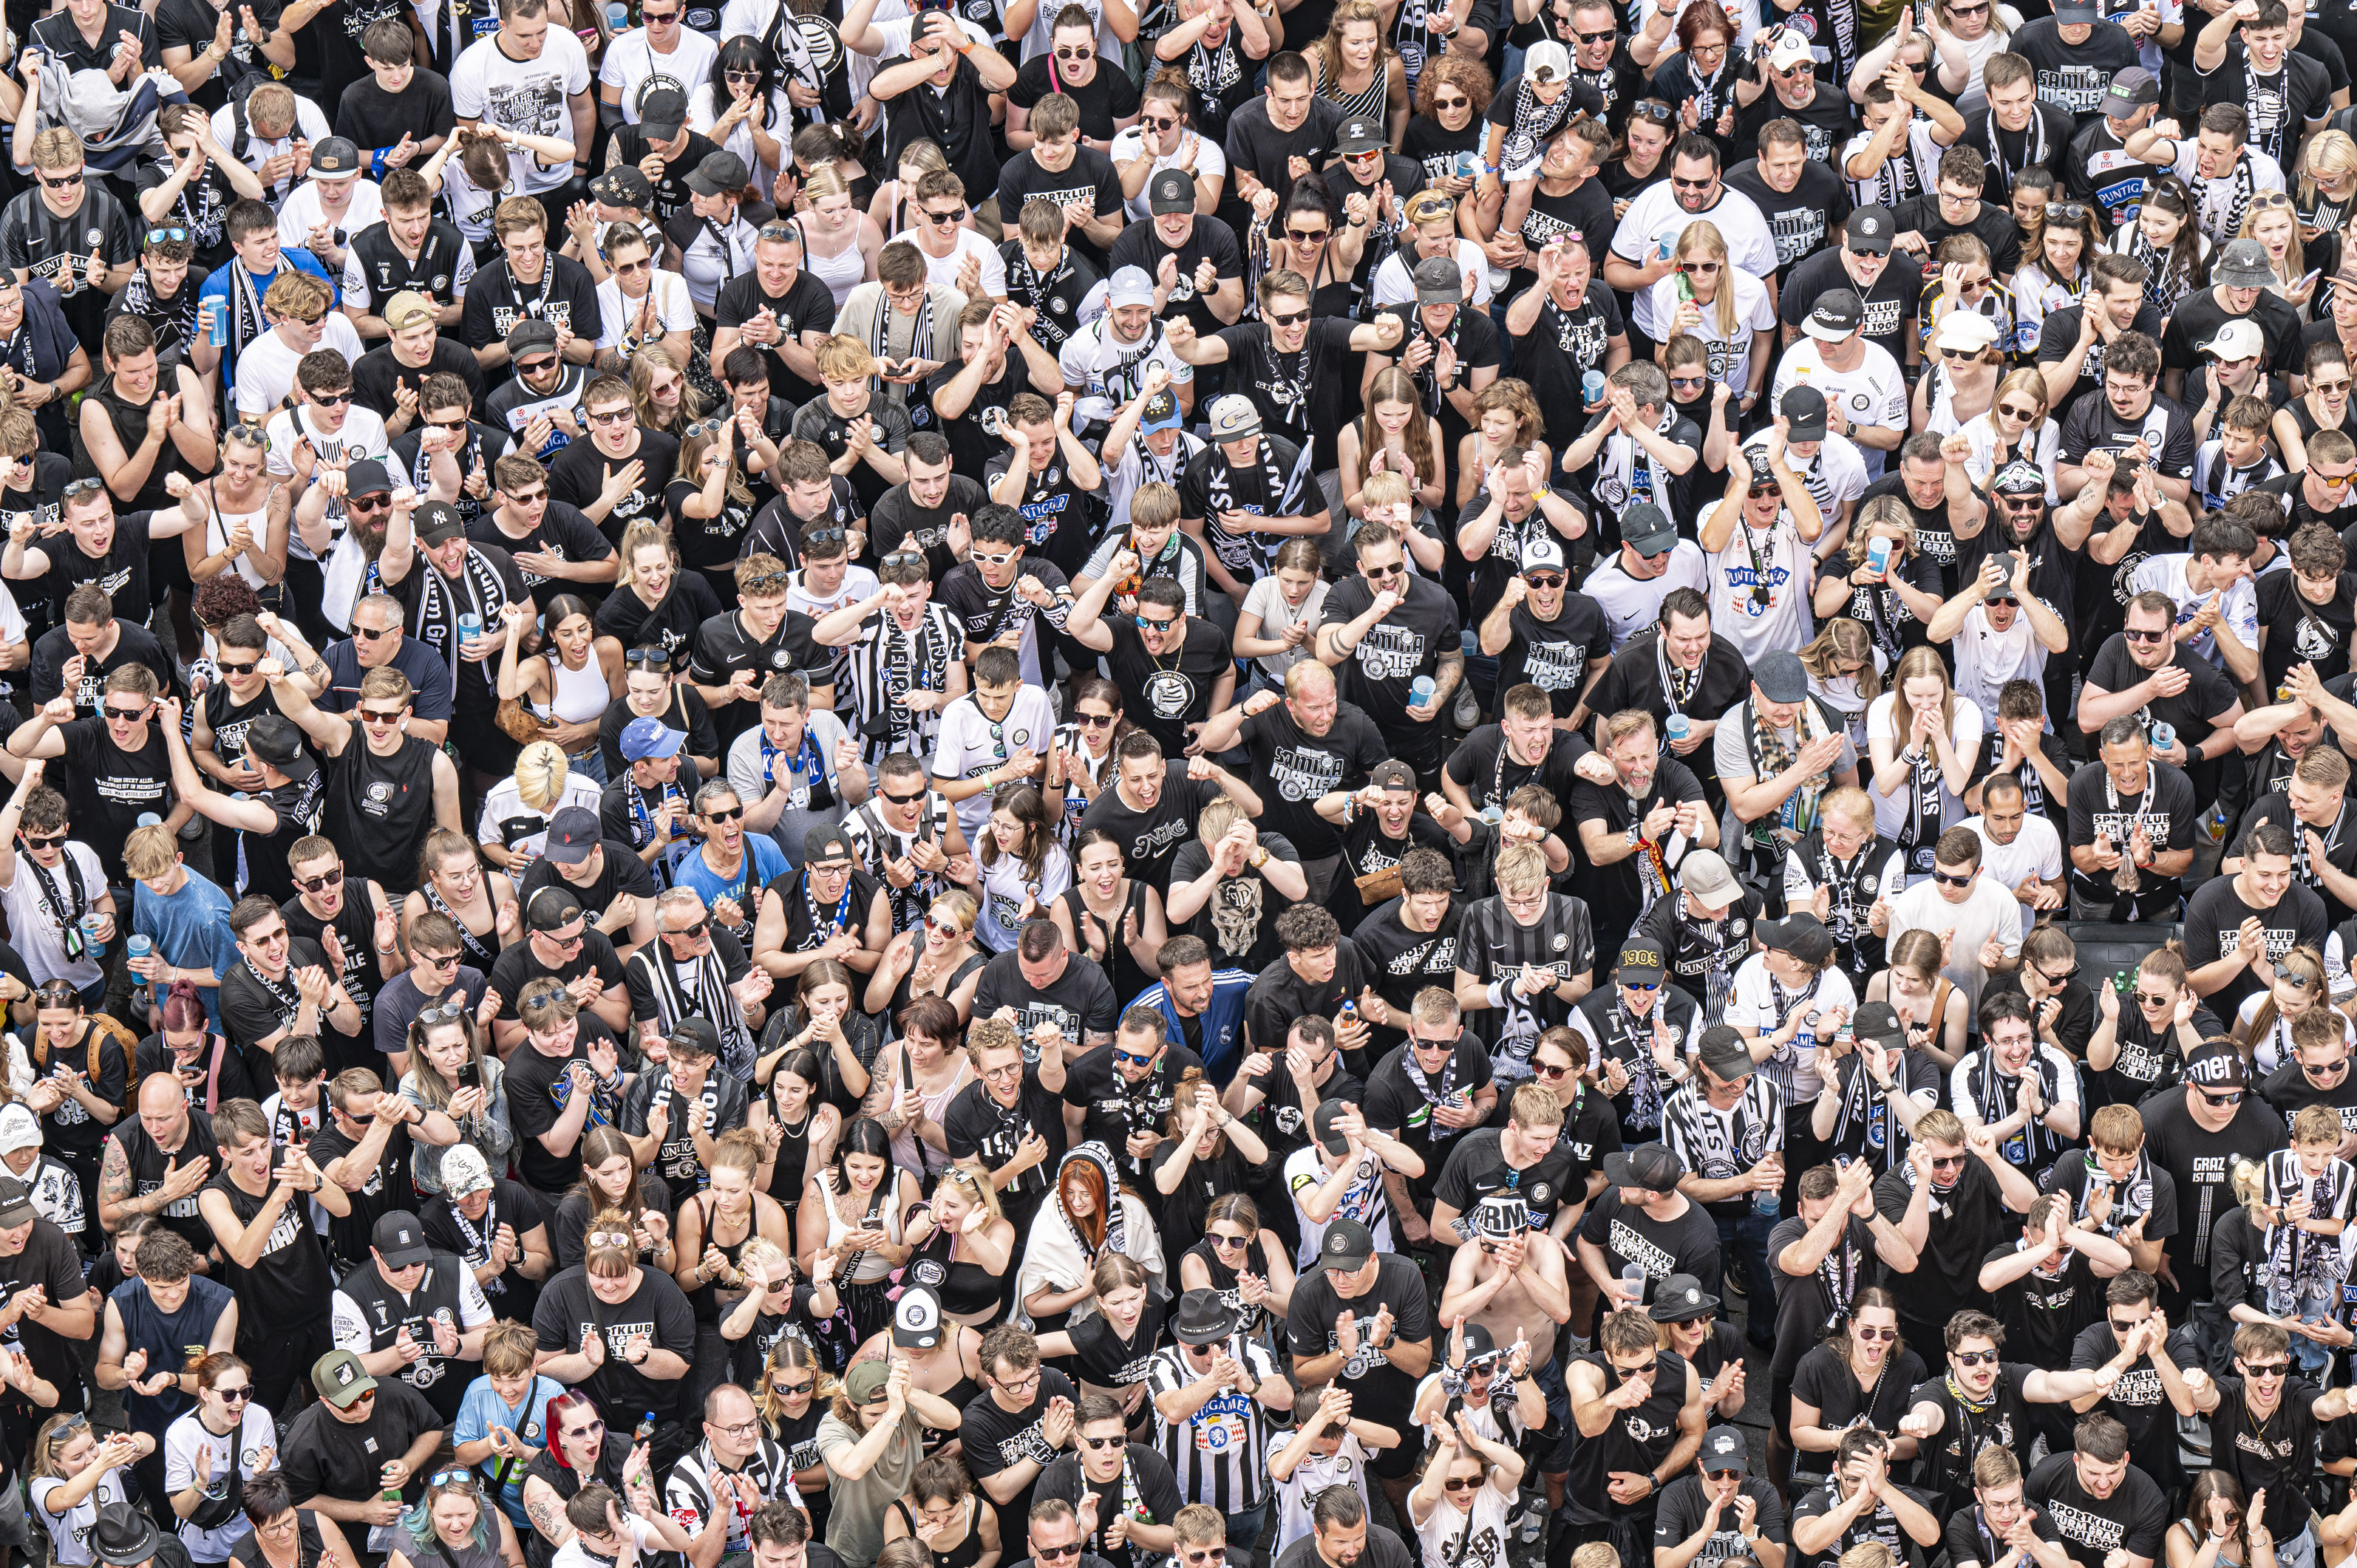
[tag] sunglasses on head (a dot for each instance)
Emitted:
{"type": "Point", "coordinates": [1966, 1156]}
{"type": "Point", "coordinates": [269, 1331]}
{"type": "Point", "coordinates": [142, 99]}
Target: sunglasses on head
{"type": "Point", "coordinates": [1654, 110]}
{"type": "Point", "coordinates": [157, 236]}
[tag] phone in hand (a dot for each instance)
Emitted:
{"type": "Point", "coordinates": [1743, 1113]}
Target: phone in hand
{"type": "Point", "coordinates": [2314, 274]}
{"type": "Point", "coordinates": [470, 1074]}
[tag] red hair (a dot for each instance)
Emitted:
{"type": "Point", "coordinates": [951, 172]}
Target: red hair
{"type": "Point", "coordinates": [560, 1407]}
{"type": "Point", "coordinates": [181, 1009]}
{"type": "Point", "coordinates": [1091, 1179]}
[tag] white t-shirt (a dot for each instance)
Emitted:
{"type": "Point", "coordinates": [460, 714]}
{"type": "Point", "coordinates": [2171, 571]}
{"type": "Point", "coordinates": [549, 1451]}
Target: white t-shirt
{"type": "Point", "coordinates": [1394, 284]}
{"type": "Point", "coordinates": [1731, 357]}
{"type": "Point", "coordinates": [1210, 163]}
{"type": "Point", "coordinates": [521, 830]}
{"type": "Point", "coordinates": [1960, 1083]}
{"type": "Point", "coordinates": [1834, 477]}
{"type": "Point", "coordinates": [1448, 1528]}
{"type": "Point", "coordinates": [265, 371]}
{"type": "Point", "coordinates": [1266, 598]}
{"type": "Point", "coordinates": [1752, 1005]}
{"type": "Point", "coordinates": [674, 311]}
{"type": "Point", "coordinates": [2215, 197]}
{"type": "Point", "coordinates": [702, 263]}
{"type": "Point", "coordinates": [38, 935]}
{"type": "Point", "coordinates": [1654, 214]}
{"type": "Point", "coordinates": [2271, 1050]}
{"type": "Point", "coordinates": [970, 745]}
{"type": "Point", "coordinates": [1991, 909]}
{"type": "Point", "coordinates": [301, 213]}
{"type": "Point", "coordinates": [71, 1531]}
{"type": "Point", "coordinates": [1632, 603]}
{"type": "Point", "coordinates": [1346, 1467]}
{"type": "Point", "coordinates": [573, 1554]}
{"type": "Point", "coordinates": [1363, 1202]}
{"type": "Point", "coordinates": [310, 126]}
{"type": "Point", "coordinates": [632, 65]}
{"type": "Point", "coordinates": [1986, 658]}
{"type": "Point", "coordinates": [526, 96]}
{"type": "Point", "coordinates": [2036, 851]}
{"type": "Point", "coordinates": [257, 1444]}
{"type": "Point", "coordinates": [2238, 609]}
{"type": "Point", "coordinates": [704, 113]}
{"type": "Point", "coordinates": [1784, 620]}
{"type": "Point", "coordinates": [1964, 733]}
{"type": "Point", "coordinates": [1873, 394]}
{"type": "Point", "coordinates": [1911, 170]}
{"type": "Point", "coordinates": [1096, 361]}
{"type": "Point", "coordinates": [941, 272]}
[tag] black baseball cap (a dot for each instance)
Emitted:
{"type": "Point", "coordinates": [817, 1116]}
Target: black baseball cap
{"type": "Point", "coordinates": [573, 835]}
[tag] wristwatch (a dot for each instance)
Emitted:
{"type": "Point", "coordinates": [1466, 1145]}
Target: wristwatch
{"type": "Point", "coordinates": [1259, 855]}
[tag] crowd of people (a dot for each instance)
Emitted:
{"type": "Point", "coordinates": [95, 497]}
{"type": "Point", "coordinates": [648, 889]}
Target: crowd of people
{"type": "Point", "coordinates": [1140, 786]}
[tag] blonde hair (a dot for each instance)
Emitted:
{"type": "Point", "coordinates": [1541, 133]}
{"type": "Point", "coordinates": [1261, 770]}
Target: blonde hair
{"type": "Point", "coordinates": [2295, 261]}
{"type": "Point", "coordinates": [844, 358]}
{"type": "Point", "coordinates": [978, 1190]}
{"type": "Point", "coordinates": [637, 537]}
{"type": "Point", "coordinates": [642, 378]}
{"type": "Point", "coordinates": [540, 774]}
{"type": "Point", "coordinates": [1520, 865]}
{"type": "Point", "coordinates": [57, 147]}
{"type": "Point", "coordinates": [706, 435]}
{"type": "Point", "coordinates": [1330, 47]}
{"type": "Point", "coordinates": [2328, 152]}
{"type": "Point", "coordinates": [1882, 509]}
{"type": "Point", "coordinates": [1702, 233]}
{"type": "Point", "coordinates": [1840, 639]}
{"type": "Point", "coordinates": [2305, 961]}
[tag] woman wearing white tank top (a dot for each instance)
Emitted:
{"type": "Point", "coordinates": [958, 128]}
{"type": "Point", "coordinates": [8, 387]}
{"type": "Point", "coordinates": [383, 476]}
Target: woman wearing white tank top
{"type": "Point", "coordinates": [244, 514]}
{"type": "Point", "coordinates": [567, 683]}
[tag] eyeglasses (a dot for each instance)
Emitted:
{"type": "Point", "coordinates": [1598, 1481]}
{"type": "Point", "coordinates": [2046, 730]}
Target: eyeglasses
{"type": "Point", "coordinates": [63, 180]}
{"type": "Point", "coordinates": [1208, 1554]}
{"type": "Point", "coordinates": [1153, 122]}
{"type": "Point", "coordinates": [1695, 382]}
{"type": "Point", "coordinates": [1805, 67]}
{"type": "Point", "coordinates": [381, 716]}
{"type": "Point", "coordinates": [1694, 184]}
{"type": "Point", "coordinates": [1382, 573]}
{"type": "Point", "coordinates": [1086, 721]}
{"type": "Point", "coordinates": [77, 487]}
{"type": "Point", "coordinates": [321, 882]}
{"type": "Point", "coordinates": [572, 941]}
{"type": "Point", "coordinates": [1550, 1070]}
{"type": "Point", "coordinates": [2291, 977]}
{"type": "Point", "coordinates": [612, 416]}
{"type": "Point", "coordinates": [2329, 1069]}
{"type": "Point", "coordinates": [1140, 1058]}
{"type": "Point", "coordinates": [594, 1427]}
{"type": "Point", "coordinates": [955, 215]}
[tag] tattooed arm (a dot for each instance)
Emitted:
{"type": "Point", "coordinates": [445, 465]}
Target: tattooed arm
{"type": "Point", "coordinates": [115, 1188]}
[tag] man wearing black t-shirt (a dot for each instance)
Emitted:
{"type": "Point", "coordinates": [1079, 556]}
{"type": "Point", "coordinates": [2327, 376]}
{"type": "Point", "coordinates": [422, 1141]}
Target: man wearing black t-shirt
{"type": "Point", "coordinates": [1891, 286]}
{"type": "Point", "coordinates": [1308, 743]}
{"type": "Point", "coordinates": [1080, 180]}
{"type": "Point", "coordinates": [1320, 970]}
{"type": "Point", "coordinates": [1179, 664]}
{"type": "Point", "coordinates": [2237, 291]}
{"type": "Point", "coordinates": [530, 282]}
{"type": "Point", "coordinates": [1804, 200]}
{"type": "Point", "coordinates": [1956, 207]}
{"type": "Point", "coordinates": [1394, 635]}
{"type": "Point", "coordinates": [1195, 263]}
{"type": "Point", "coordinates": [99, 545]}
{"type": "Point", "coordinates": [1152, 804]}
{"type": "Point", "coordinates": [2143, 673]}
{"type": "Point", "coordinates": [1859, 1505]}
{"type": "Point", "coordinates": [2018, 131]}
{"type": "Point", "coordinates": [414, 350]}
{"type": "Point", "coordinates": [2099, 1502]}
{"type": "Point", "coordinates": [737, 651]}
{"type": "Point", "coordinates": [2129, 808]}
{"type": "Point", "coordinates": [778, 307]}
{"type": "Point", "coordinates": [1982, 1401]}
{"type": "Point", "coordinates": [1293, 366]}
{"type": "Point", "coordinates": [2265, 1455]}
{"type": "Point", "coordinates": [1362, 1320]}
{"type": "Point", "coordinates": [2285, 96]}
{"type": "Point", "coordinates": [564, 1077]}
{"type": "Point", "coordinates": [1008, 1436]}
{"type": "Point", "coordinates": [1011, 1119]}
{"type": "Point", "coordinates": [1948, 1200]}
{"type": "Point", "coordinates": [559, 944]}
{"type": "Point", "coordinates": [1683, 662]}
{"type": "Point", "coordinates": [2075, 341]}
{"type": "Point", "coordinates": [660, 146]}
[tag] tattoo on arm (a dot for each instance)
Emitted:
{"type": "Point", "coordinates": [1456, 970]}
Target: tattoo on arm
{"type": "Point", "coordinates": [114, 1178]}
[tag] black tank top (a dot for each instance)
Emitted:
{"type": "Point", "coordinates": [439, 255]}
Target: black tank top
{"type": "Point", "coordinates": [379, 811]}
{"type": "Point", "coordinates": [964, 1287]}
{"type": "Point", "coordinates": [964, 1554]}
{"type": "Point", "coordinates": [1638, 1439]}
{"type": "Point", "coordinates": [1119, 966]}
{"type": "Point", "coordinates": [793, 1154]}
{"type": "Point", "coordinates": [474, 950]}
{"type": "Point", "coordinates": [1107, 1359]}
{"type": "Point", "coordinates": [229, 719]}
{"type": "Point", "coordinates": [289, 1284]}
{"type": "Point", "coordinates": [707, 1299]}
{"type": "Point", "coordinates": [130, 421]}
{"type": "Point", "coordinates": [150, 1164]}
{"type": "Point", "coordinates": [355, 928]}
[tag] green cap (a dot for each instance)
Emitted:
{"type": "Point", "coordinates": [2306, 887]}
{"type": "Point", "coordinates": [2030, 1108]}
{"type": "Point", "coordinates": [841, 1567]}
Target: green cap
{"type": "Point", "coordinates": [339, 1378]}
{"type": "Point", "coordinates": [867, 1380]}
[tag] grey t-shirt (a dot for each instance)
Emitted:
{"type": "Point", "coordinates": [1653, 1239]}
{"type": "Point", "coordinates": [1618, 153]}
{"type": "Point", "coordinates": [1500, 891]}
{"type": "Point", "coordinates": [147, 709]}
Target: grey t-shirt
{"type": "Point", "coordinates": [750, 764]}
{"type": "Point", "coordinates": [1732, 752]}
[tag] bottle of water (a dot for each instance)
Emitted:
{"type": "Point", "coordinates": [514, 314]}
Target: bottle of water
{"type": "Point", "coordinates": [646, 1428]}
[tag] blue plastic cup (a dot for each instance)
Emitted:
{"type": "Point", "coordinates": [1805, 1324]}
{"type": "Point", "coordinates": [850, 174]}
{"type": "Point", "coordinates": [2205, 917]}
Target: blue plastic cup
{"type": "Point", "coordinates": [90, 936]}
{"type": "Point", "coordinates": [1680, 727]}
{"type": "Point", "coordinates": [1421, 689]}
{"type": "Point", "coordinates": [1591, 385]}
{"type": "Point", "coordinates": [138, 946]}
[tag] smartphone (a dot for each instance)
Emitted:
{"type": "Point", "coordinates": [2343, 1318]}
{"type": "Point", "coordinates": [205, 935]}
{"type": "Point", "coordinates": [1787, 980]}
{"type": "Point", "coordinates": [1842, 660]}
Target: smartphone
{"type": "Point", "coordinates": [2313, 274]}
{"type": "Point", "coordinates": [470, 1074]}
{"type": "Point", "coordinates": [1878, 556]}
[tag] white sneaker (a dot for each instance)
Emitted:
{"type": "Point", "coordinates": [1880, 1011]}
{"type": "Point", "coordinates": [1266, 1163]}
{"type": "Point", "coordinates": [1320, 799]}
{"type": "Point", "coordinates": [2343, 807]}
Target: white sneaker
{"type": "Point", "coordinates": [1469, 709]}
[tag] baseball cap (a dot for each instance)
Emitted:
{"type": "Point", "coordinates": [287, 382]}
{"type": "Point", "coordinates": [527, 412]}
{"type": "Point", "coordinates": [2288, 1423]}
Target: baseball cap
{"type": "Point", "coordinates": [866, 1380]}
{"type": "Point", "coordinates": [1877, 1023]}
{"type": "Point", "coordinates": [573, 833]}
{"type": "Point", "coordinates": [1358, 135]}
{"type": "Point", "coordinates": [717, 172]}
{"type": "Point", "coordinates": [19, 1128]}
{"type": "Point", "coordinates": [399, 1239]}
{"type": "Point", "coordinates": [465, 1171]}
{"type": "Point", "coordinates": [1803, 936]}
{"type": "Point", "coordinates": [1653, 1166]}
{"type": "Point", "coordinates": [696, 1037]}
{"type": "Point", "coordinates": [1547, 60]}
{"type": "Point", "coordinates": [662, 113]}
{"type": "Point", "coordinates": [1391, 774]}
{"type": "Point", "coordinates": [1169, 191]}
{"type": "Point", "coordinates": [1803, 409]}
{"type": "Point", "coordinates": [1705, 875]}
{"type": "Point", "coordinates": [16, 1203]}
{"type": "Point", "coordinates": [1838, 313]}
{"type": "Point", "coordinates": [1647, 529]}
{"type": "Point", "coordinates": [2019, 477]}
{"type": "Point", "coordinates": [1780, 676]}
{"type": "Point", "coordinates": [623, 187]}
{"type": "Point", "coordinates": [278, 741]}
{"type": "Point", "coordinates": [1129, 285]}
{"type": "Point", "coordinates": [366, 477]}
{"type": "Point", "coordinates": [2242, 264]}
{"type": "Point", "coordinates": [1438, 281]}
{"type": "Point", "coordinates": [1722, 1051]}
{"type": "Point", "coordinates": [2130, 90]}
{"type": "Point", "coordinates": [2210, 1067]}
{"type": "Point", "coordinates": [1234, 418]}
{"type": "Point", "coordinates": [436, 523]}
{"type": "Point", "coordinates": [2076, 14]}
{"type": "Point", "coordinates": [335, 158]}
{"type": "Point", "coordinates": [1348, 1244]}
{"type": "Point", "coordinates": [1161, 413]}
{"type": "Point", "coordinates": [2238, 339]}
{"type": "Point", "coordinates": [916, 1320]}
{"type": "Point", "coordinates": [825, 842]}
{"type": "Point", "coordinates": [1723, 1449]}
{"type": "Point", "coordinates": [642, 738]}
{"type": "Point", "coordinates": [1968, 330]}
{"type": "Point", "coordinates": [1789, 49]}
{"type": "Point", "coordinates": [550, 909]}
{"type": "Point", "coordinates": [339, 1378]}
{"type": "Point", "coordinates": [1321, 1123]}
{"type": "Point", "coordinates": [1640, 962]}
{"type": "Point", "coordinates": [530, 336]}
{"type": "Point", "coordinates": [1869, 232]}
{"type": "Point", "coordinates": [405, 307]}
{"type": "Point", "coordinates": [1542, 555]}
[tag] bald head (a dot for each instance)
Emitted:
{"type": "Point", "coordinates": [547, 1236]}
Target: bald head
{"type": "Point", "coordinates": [164, 1110]}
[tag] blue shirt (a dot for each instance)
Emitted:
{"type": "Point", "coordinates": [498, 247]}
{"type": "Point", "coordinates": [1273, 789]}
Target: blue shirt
{"type": "Point", "coordinates": [1223, 1022]}
{"type": "Point", "coordinates": [429, 679]}
{"type": "Point", "coordinates": [764, 862]}
{"type": "Point", "coordinates": [190, 930]}
{"type": "Point", "coordinates": [481, 1410]}
{"type": "Point", "coordinates": [217, 287]}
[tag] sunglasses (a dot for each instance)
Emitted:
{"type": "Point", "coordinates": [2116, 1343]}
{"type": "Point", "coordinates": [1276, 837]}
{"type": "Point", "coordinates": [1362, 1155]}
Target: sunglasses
{"type": "Point", "coordinates": [128, 715]}
{"type": "Point", "coordinates": [1697, 269]}
{"type": "Point", "coordinates": [1116, 1441]}
{"type": "Point", "coordinates": [1944, 878]}
{"type": "Point", "coordinates": [1607, 35]}
{"type": "Point", "coordinates": [732, 815]}
{"type": "Point", "coordinates": [1806, 68]}
{"type": "Point", "coordinates": [1947, 1163]}
{"type": "Point", "coordinates": [612, 416]}
{"type": "Point", "coordinates": [1462, 1484]}
{"type": "Point", "coordinates": [1872, 1335]}
{"type": "Point", "coordinates": [1975, 1357]}
{"type": "Point", "coordinates": [157, 236]}
{"type": "Point", "coordinates": [2291, 977]}
{"type": "Point", "coordinates": [2133, 635]}
{"type": "Point", "coordinates": [1153, 123]}
{"type": "Point", "coordinates": [694, 931]}
{"type": "Point", "coordinates": [2267, 1368]}
{"type": "Point", "coordinates": [1140, 1058]}
{"type": "Point", "coordinates": [338, 399]}
{"type": "Point", "coordinates": [999, 559]}
{"type": "Point", "coordinates": [2023, 415]}
{"type": "Point", "coordinates": [1694, 184]}
{"type": "Point", "coordinates": [321, 882]}
{"type": "Point", "coordinates": [371, 633]}
{"type": "Point", "coordinates": [45, 841]}
{"type": "Point", "coordinates": [1654, 110]}
{"type": "Point", "coordinates": [1150, 623]}
{"type": "Point", "coordinates": [2222, 1098]}
{"type": "Point", "coordinates": [1228, 1243]}
{"type": "Point", "coordinates": [77, 487]}
{"type": "Point", "coordinates": [1290, 318]}
{"type": "Point", "coordinates": [1544, 579]}
{"type": "Point", "coordinates": [1550, 1070]}
{"type": "Point", "coordinates": [1075, 51]}
{"type": "Point", "coordinates": [63, 180]}
{"type": "Point", "coordinates": [943, 220]}
{"type": "Point", "coordinates": [2126, 1325]}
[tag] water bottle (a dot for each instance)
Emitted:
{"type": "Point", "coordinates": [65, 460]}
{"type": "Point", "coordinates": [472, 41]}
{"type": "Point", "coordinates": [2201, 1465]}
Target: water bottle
{"type": "Point", "coordinates": [217, 322]}
{"type": "Point", "coordinates": [1680, 727]}
{"type": "Point", "coordinates": [646, 1428]}
{"type": "Point", "coordinates": [90, 936]}
{"type": "Point", "coordinates": [2164, 735]}
{"type": "Point", "coordinates": [1591, 385]}
{"type": "Point", "coordinates": [1420, 690]}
